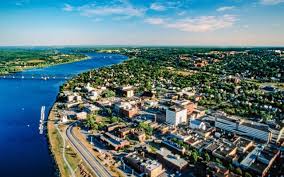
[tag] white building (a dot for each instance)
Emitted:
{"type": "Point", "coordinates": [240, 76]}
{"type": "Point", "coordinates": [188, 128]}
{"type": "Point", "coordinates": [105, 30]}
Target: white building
{"type": "Point", "coordinates": [197, 124]}
{"type": "Point", "coordinates": [81, 115]}
{"type": "Point", "coordinates": [176, 115]}
{"type": "Point", "coordinates": [243, 127]}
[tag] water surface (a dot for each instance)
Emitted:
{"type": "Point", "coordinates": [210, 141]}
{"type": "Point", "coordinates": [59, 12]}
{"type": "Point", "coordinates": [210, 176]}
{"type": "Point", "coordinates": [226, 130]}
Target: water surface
{"type": "Point", "coordinates": [23, 151]}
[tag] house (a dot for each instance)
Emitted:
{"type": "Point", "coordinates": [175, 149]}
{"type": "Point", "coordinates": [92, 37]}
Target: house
{"type": "Point", "coordinates": [176, 115]}
{"type": "Point", "coordinates": [151, 168]}
{"type": "Point", "coordinates": [148, 94]}
{"type": "Point", "coordinates": [93, 95]}
{"type": "Point", "coordinates": [126, 91]}
{"type": "Point", "coordinates": [81, 115]}
{"type": "Point", "coordinates": [170, 160]}
{"type": "Point", "coordinates": [89, 108]}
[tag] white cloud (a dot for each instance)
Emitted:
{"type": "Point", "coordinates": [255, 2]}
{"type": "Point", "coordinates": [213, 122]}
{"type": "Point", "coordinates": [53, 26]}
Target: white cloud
{"type": "Point", "coordinates": [181, 13]}
{"type": "Point", "coordinates": [155, 21]}
{"type": "Point", "coordinates": [110, 10]}
{"type": "Point", "coordinates": [157, 7]}
{"type": "Point", "coordinates": [225, 8]}
{"type": "Point", "coordinates": [68, 8]}
{"type": "Point", "coordinates": [271, 2]}
{"type": "Point", "coordinates": [197, 24]}
{"type": "Point", "coordinates": [122, 10]}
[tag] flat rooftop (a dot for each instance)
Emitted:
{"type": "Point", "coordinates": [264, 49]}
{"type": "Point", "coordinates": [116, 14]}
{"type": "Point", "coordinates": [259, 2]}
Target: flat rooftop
{"type": "Point", "coordinates": [174, 159]}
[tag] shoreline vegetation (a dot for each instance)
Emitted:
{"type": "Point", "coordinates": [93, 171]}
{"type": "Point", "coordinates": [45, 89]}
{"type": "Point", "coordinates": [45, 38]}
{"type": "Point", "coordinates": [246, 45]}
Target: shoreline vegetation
{"type": "Point", "coordinates": [18, 60]}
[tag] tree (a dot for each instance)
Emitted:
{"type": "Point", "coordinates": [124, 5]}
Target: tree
{"type": "Point", "coordinates": [108, 93]}
{"type": "Point", "coordinates": [207, 157]}
{"type": "Point", "coordinates": [90, 122]}
{"type": "Point", "coordinates": [248, 174]}
{"type": "Point", "coordinates": [194, 156]}
{"type": "Point", "coordinates": [114, 119]}
{"type": "Point", "coordinates": [238, 171]}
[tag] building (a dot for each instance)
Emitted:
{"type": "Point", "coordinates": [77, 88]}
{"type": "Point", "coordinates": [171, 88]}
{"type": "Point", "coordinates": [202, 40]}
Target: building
{"type": "Point", "coordinates": [176, 115]}
{"type": "Point", "coordinates": [113, 141]}
{"type": "Point", "coordinates": [126, 109]}
{"type": "Point", "coordinates": [81, 115]}
{"type": "Point", "coordinates": [226, 151]}
{"type": "Point", "coordinates": [139, 135]}
{"type": "Point", "coordinates": [170, 160]}
{"type": "Point", "coordinates": [174, 147]}
{"type": "Point", "coordinates": [129, 113]}
{"type": "Point", "coordinates": [124, 131]}
{"type": "Point", "coordinates": [260, 160]}
{"type": "Point", "coordinates": [218, 170]}
{"type": "Point", "coordinates": [197, 124]}
{"type": "Point", "coordinates": [277, 134]}
{"type": "Point", "coordinates": [244, 144]}
{"type": "Point", "coordinates": [151, 168]}
{"type": "Point", "coordinates": [126, 91]}
{"type": "Point", "coordinates": [114, 126]}
{"type": "Point", "coordinates": [89, 108]}
{"type": "Point", "coordinates": [254, 130]}
{"type": "Point", "coordinates": [188, 105]}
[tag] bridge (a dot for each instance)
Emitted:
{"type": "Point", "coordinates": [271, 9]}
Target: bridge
{"type": "Point", "coordinates": [36, 77]}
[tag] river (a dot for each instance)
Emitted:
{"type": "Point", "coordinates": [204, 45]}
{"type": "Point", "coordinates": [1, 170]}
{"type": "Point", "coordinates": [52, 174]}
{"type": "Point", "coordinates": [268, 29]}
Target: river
{"type": "Point", "coordinates": [23, 151]}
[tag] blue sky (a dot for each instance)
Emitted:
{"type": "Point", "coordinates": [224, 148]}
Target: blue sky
{"type": "Point", "coordinates": [142, 22]}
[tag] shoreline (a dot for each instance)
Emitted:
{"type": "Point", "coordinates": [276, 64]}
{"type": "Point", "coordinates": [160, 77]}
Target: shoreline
{"type": "Point", "coordinates": [55, 151]}
{"type": "Point", "coordinates": [47, 65]}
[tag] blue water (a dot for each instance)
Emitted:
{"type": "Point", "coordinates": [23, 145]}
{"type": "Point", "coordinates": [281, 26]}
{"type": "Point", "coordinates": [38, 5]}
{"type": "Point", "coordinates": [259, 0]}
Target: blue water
{"type": "Point", "coordinates": [23, 151]}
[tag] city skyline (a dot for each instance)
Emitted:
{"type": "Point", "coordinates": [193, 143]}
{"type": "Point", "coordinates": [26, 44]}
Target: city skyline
{"type": "Point", "coordinates": [132, 22]}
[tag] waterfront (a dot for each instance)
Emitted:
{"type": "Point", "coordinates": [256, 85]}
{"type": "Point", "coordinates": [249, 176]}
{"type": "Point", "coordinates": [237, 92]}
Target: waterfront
{"type": "Point", "coordinates": [22, 147]}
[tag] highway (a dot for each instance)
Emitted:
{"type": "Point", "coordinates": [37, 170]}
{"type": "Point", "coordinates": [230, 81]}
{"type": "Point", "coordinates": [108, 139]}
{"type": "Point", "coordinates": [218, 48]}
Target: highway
{"type": "Point", "coordinates": [95, 165]}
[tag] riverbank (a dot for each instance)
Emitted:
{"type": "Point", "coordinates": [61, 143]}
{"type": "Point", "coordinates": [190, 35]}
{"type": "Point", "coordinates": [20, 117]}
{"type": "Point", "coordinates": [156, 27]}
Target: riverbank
{"type": "Point", "coordinates": [67, 161]}
{"type": "Point", "coordinates": [45, 65]}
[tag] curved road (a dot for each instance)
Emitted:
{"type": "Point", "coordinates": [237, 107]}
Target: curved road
{"type": "Point", "coordinates": [94, 164]}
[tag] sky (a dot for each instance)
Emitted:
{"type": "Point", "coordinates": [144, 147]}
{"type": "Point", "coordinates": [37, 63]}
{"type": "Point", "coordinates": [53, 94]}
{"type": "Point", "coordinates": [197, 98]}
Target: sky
{"type": "Point", "coordinates": [142, 22]}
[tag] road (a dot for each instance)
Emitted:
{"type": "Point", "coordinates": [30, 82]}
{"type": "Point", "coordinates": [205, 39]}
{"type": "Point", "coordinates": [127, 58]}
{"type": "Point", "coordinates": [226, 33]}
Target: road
{"type": "Point", "coordinates": [95, 165]}
{"type": "Point", "coordinates": [63, 153]}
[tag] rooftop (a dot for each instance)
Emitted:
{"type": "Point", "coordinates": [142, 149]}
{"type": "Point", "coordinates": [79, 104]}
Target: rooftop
{"type": "Point", "coordinates": [174, 159]}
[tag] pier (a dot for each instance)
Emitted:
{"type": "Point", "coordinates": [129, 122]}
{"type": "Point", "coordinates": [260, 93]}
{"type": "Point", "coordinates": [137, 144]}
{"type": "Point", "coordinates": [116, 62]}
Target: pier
{"type": "Point", "coordinates": [42, 121]}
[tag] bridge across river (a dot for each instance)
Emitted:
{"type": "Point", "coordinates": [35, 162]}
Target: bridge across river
{"type": "Point", "coordinates": [37, 77]}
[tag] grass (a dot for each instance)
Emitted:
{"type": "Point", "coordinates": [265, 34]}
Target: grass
{"type": "Point", "coordinates": [56, 145]}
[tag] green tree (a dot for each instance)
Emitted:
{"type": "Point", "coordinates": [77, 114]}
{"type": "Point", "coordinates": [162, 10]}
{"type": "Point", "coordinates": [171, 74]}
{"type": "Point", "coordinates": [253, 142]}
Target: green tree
{"type": "Point", "coordinates": [194, 156]}
{"type": "Point", "coordinates": [238, 171]}
{"type": "Point", "coordinates": [108, 93]}
{"type": "Point", "coordinates": [248, 174]}
{"type": "Point", "coordinates": [207, 157]}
